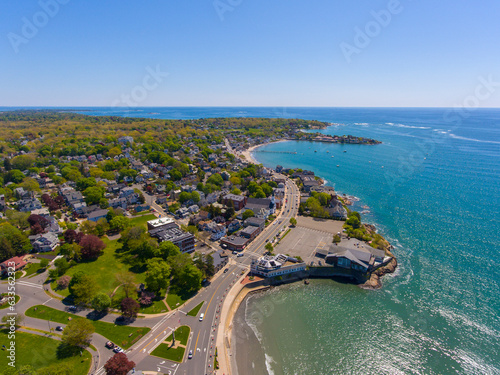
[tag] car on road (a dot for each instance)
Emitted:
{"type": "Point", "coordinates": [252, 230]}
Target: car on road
{"type": "Point", "coordinates": [202, 315]}
{"type": "Point", "coordinates": [190, 355]}
{"type": "Point", "coordinates": [110, 345]}
{"type": "Point", "coordinates": [117, 349]}
{"type": "Point", "coordinates": [239, 255]}
{"type": "Point", "coordinates": [72, 308]}
{"type": "Point", "coordinates": [226, 270]}
{"type": "Point", "coordinates": [59, 329]}
{"type": "Point", "coordinates": [235, 252]}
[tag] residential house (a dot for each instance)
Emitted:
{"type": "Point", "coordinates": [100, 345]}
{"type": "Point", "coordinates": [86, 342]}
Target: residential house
{"type": "Point", "coordinates": [221, 258]}
{"type": "Point", "coordinates": [30, 204]}
{"type": "Point", "coordinates": [96, 215]}
{"type": "Point", "coordinates": [218, 232]}
{"type": "Point", "coordinates": [12, 265]}
{"type": "Point", "coordinates": [45, 242]}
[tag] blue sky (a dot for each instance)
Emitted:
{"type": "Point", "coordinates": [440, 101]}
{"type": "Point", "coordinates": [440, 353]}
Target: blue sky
{"type": "Point", "coordinates": [248, 53]}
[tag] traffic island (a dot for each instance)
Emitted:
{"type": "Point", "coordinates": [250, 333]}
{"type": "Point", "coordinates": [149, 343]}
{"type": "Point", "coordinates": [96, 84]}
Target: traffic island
{"type": "Point", "coordinates": [174, 351]}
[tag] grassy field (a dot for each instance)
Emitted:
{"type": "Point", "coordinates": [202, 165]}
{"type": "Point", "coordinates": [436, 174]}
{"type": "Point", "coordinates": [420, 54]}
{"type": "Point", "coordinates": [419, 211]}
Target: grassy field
{"type": "Point", "coordinates": [166, 352]}
{"type": "Point", "coordinates": [39, 352]}
{"type": "Point", "coordinates": [32, 269]}
{"type": "Point", "coordinates": [156, 308]}
{"type": "Point", "coordinates": [103, 269]}
{"type": "Point", "coordinates": [118, 334]}
{"type": "Point", "coordinates": [195, 311]}
{"type": "Point", "coordinates": [6, 304]}
{"type": "Point", "coordinates": [174, 300]}
{"type": "Point", "coordinates": [181, 335]}
{"type": "Point", "coordinates": [141, 220]}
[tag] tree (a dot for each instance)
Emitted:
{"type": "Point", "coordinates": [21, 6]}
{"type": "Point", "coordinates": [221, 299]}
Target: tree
{"type": "Point", "coordinates": [92, 247]}
{"type": "Point", "coordinates": [69, 235]}
{"type": "Point", "coordinates": [12, 242]}
{"type": "Point", "coordinates": [130, 307]}
{"type": "Point", "coordinates": [15, 176]}
{"type": "Point", "coordinates": [118, 365]}
{"type": "Point", "coordinates": [353, 221]}
{"type": "Point", "coordinates": [189, 279]}
{"type": "Point", "coordinates": [168, 250]}
{"type": "Point", "coordinates": [269, 247]}
{"type": "Point", "coordinates": [127, 281]}
{"type": "Point", "coordinates": [336, 239]}
{"type": "Point", "coordinates": [101, 302]}
{"type": "Point", "coordinates": [62, 266]}
{"type": "Point", "coordinates": [93, 194]}
{"type": "Point", "coordinates": [157, 275]}
{"type": "Point", "coordinates": [119, 223]}
{"type": "Point", "coordinates": [78, 333]}
{"type": "Point", "coordinates": [44, 263]}
{"type": "Point", "coordinates": [85, 290]}
{"type": "Point", "coordinates": [71, 251]}
{"type": "Point", "coordinates": [63, 282]}
{"type": "Point", "coordinates": [293, 221]}
{"type": "Point", "coordinates": [247, 214]}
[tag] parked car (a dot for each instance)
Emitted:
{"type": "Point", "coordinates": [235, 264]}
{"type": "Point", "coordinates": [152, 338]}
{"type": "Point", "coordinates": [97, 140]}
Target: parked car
{"type": "Point", "coordinates": [117, 349]}
{"type": "Point", "coordinates": [190, 355]}
{"type": "Point", "coordinates": [110, 345]}
{"type": "Point", "coordinates": [72, 308]}
{"type": "Point", "coordinates": [59, 328]}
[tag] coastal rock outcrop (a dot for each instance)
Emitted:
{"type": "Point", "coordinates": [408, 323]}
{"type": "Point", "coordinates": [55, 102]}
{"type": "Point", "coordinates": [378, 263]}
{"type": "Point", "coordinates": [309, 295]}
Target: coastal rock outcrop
{"type": "Point", "coordinates": [374, 281]}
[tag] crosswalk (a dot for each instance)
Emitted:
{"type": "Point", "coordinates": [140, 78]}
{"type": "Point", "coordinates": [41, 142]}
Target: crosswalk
{"type": "Point", "coordinates": [26, 283]}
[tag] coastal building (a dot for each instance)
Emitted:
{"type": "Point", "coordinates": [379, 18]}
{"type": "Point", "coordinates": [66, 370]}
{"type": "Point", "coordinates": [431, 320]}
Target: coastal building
{"type": "Point", "coordinates": [278, 265]}
{"type": "Point", "coordinates": [362, 257]}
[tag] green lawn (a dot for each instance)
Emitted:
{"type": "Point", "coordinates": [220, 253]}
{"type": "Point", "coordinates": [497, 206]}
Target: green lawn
{"type": "Point", "coordinates": [31, 269]}
{"type": "Point", "coordinates": [181, 335]}
{"type": "Point", "coordinates": [141, 220]}
{"type": "Point", "coordinates": [156, 308]}
{"type": "Point", "coordinates": [39, 352]}
{"type": "Point", "coordinates": [6, 303]}
{"type": "Point", "coordinates": [123, 336]}
{"type": "Point", "coordinates": [174, 301]}
{"type": "Point", "coordinates": [172, 354]}
{"type": "Point", "coordinates": [195, 311]}
{"type": "Point", "coordinates": [103, 269]}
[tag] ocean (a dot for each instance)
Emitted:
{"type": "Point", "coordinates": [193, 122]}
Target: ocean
{"type": "Point", "coordinates": [432, 188]}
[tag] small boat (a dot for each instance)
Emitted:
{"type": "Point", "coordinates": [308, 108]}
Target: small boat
{"type": "Point", "coordinates": [338, 165]}
{"type": "Point", "coordinates": [328, 152]}
{"type": "Point", "coordinates": [315, 151]}
{"type": "Point", "coordinates": [382, 166]}
{"type": "Point", "coordinates": [333, 156]}
{"type": "Point", "coordinates": [345, 150]}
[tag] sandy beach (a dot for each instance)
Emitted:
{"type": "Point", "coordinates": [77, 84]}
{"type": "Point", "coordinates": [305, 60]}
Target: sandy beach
{"type": "Point", "coordinates": [247, 154]}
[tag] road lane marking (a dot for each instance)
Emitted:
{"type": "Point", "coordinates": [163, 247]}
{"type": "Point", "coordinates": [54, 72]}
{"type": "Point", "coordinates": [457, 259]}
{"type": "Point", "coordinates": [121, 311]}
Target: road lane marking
{"type": "Point", "coordinates": [196, 344]}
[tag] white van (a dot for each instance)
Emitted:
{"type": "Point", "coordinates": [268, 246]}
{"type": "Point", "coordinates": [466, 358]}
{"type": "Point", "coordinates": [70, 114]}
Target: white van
{"type": "Point", "coordinates": [202, 316]}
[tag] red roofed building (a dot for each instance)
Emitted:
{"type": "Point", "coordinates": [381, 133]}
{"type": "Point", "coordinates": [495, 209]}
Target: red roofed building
{"type": "Point", "coordinates": [16, 263]}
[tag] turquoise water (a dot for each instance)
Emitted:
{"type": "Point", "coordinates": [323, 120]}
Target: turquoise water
{"type": "Point", "coordinates": [437, 199]}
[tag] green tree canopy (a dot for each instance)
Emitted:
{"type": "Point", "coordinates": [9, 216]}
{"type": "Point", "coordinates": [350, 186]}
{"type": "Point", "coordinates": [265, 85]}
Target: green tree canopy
{"type": "Point", "coordinates": [78, 333]}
